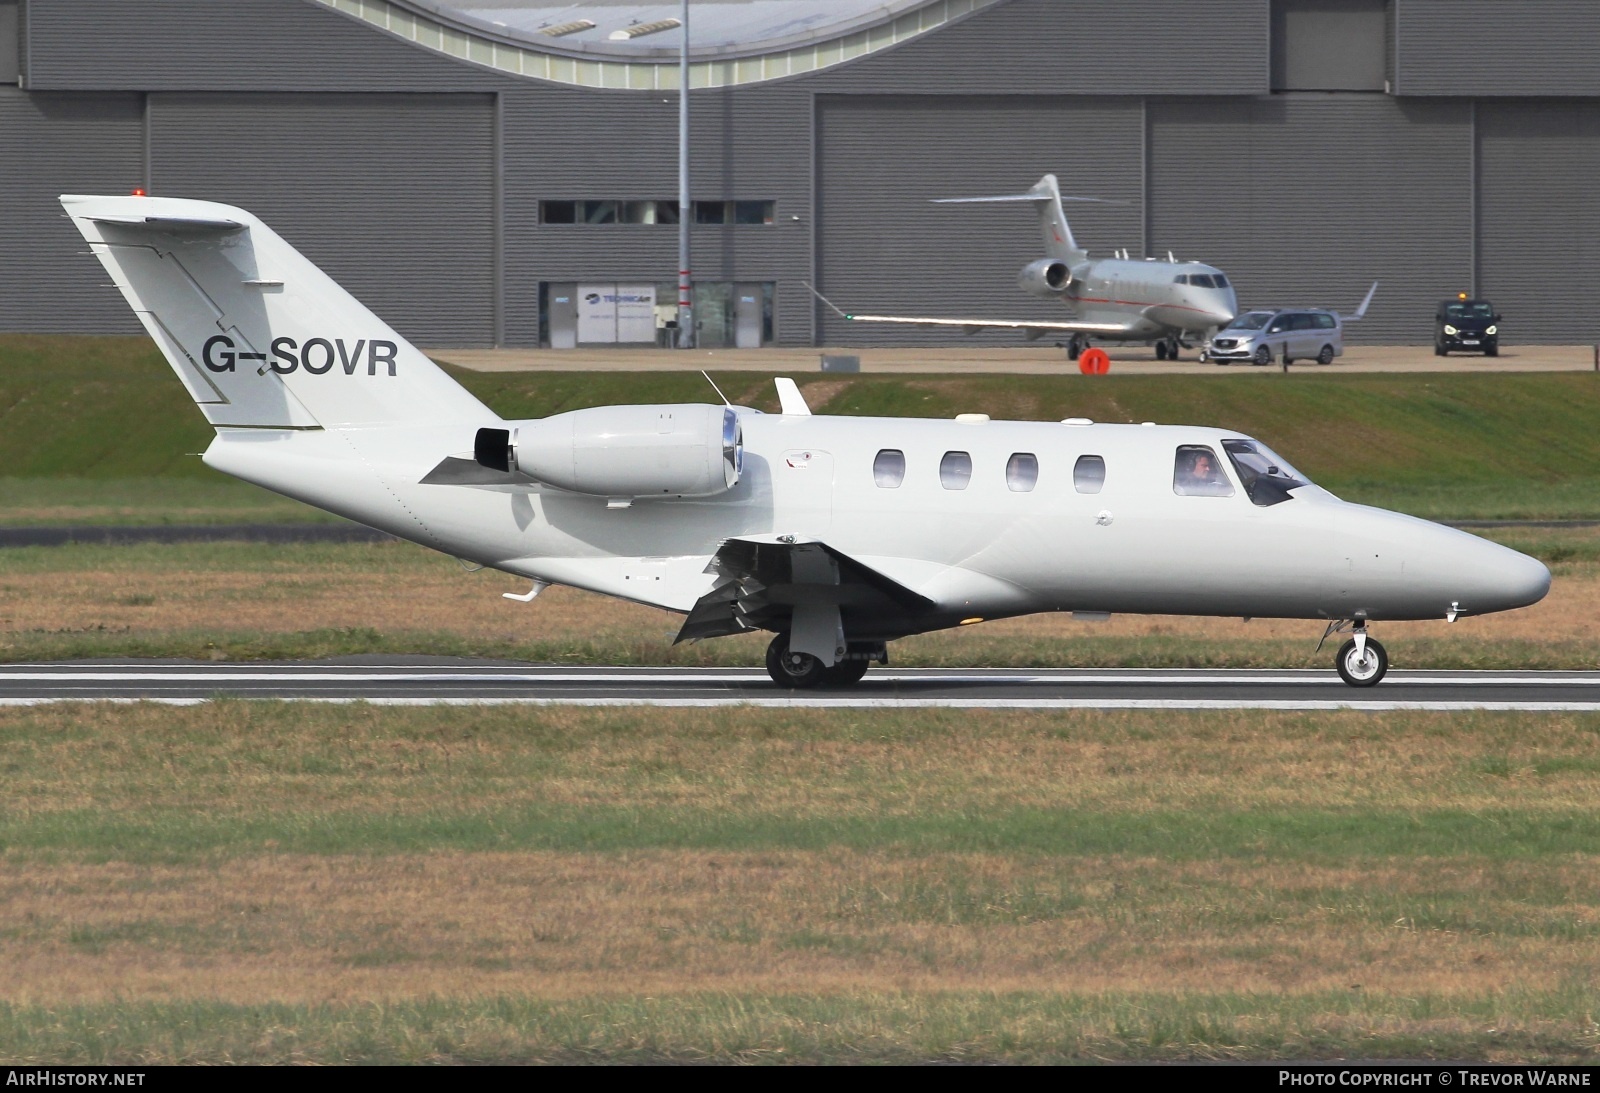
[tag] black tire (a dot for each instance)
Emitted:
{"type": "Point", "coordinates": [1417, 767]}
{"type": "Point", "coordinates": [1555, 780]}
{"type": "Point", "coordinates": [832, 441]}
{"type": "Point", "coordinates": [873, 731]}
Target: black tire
{"type": "Point", "coordinates": [846, 673]}
{"type": "Point", "coordinates": [1173, 350]}
{"type": "Point", "coordinates": [1263, 355]}
{"type": "Point", "coordinates": [1161, 351]}
{"type": "Point", "coordinates": [1495, 352]}
{"type": "Point", "coordinates": [1444, 351]}
{"type": "Point", "coordinates": [1325, 355]}
{"type": "Point", "coordinates": [794, 672]}
{"type": "Point", "coordinates": [1438, 350]}
{"type": "Point", "coordinates": [1362, 673]}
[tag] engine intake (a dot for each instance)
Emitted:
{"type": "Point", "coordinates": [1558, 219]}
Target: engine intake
{"type": "Point", "coordinates": [623, 451]}
{"type": "Point", "coordinates": [1046, 277]}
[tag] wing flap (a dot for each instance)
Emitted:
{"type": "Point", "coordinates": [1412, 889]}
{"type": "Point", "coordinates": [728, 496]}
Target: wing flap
{"type": "Point", "coordinates": [761, 581]}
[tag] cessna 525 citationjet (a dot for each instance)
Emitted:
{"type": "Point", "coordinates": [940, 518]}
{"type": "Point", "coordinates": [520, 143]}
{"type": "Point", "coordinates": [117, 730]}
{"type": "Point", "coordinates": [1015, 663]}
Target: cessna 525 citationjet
{"type": "Point", "coordinates": [837, 534]}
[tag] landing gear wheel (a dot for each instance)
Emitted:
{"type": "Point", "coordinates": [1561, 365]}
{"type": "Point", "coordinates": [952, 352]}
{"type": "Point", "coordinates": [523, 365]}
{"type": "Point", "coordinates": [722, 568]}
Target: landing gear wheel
{"type": "Point", "coordinates": [845, 673]}
{"type": "Point", "coordinates": [1325, 355]}
{"type": "Point", "coordinates": [1075, 347]}
{"type": "Point", "coordinates": [796, 671]}
{"type": "Point", "coordinates": [1263, 355]}
{"type": "Point", "coordinates": [1161, 351]}
{"type": "Point", "coordinates": [1364, 670]}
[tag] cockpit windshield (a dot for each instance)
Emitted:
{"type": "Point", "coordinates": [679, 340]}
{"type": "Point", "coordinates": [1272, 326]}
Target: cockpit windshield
{"type": "Point", "coordinates": [1472, 309]}
{"type": "Point", "coordinates": [1267, 478]}
{"type": "Point", "coordinates": [1250, 320]}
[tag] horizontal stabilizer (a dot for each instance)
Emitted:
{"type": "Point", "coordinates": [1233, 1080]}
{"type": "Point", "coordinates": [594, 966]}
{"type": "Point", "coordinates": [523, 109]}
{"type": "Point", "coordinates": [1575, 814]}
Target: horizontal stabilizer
{"type": "Point", "coordinates": [171, 223]}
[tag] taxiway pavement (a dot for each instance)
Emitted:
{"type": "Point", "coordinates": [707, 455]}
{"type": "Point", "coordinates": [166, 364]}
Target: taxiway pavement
{"type": "Point", "coordinates": [444, 681]}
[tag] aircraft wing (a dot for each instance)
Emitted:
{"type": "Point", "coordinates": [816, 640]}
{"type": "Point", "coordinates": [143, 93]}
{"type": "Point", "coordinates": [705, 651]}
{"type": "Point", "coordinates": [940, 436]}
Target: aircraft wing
{"type": "Point", "coordinates": [1035, 328]}
{"type": "Point", "coordinates": [760, 580]}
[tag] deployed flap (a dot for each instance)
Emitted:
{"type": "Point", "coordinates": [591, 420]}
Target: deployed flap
{"type": "Point", "coordinates": [761, 582]}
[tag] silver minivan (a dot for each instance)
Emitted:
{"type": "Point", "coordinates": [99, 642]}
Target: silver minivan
{"type": "Point", "coordinates": [1291, 334]}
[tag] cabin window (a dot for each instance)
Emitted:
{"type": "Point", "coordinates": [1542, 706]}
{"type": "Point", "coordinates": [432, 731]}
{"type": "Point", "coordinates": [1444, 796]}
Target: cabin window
{"type": "Point", "coordinates": [955, 470]}
{"type": "Point", "coordinates": [1022, 472]}
{"type": "Point", "coordinates": [1089, 474]}
{"type": "Point", "coordinates": [1198, 473]}
{"type": "Point", "coordinates": [1267, 478]}
{"type": "Point", "coordinates": [889, 469]}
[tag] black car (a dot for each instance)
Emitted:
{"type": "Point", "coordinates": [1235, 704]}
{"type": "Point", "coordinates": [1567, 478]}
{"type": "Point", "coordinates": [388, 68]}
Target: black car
{"type": "Point", "coordinates": [1466, 324]}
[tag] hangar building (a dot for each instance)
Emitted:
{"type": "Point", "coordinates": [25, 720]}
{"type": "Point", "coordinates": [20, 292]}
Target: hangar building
{"type": "Point", "coordinates": [474, 170]}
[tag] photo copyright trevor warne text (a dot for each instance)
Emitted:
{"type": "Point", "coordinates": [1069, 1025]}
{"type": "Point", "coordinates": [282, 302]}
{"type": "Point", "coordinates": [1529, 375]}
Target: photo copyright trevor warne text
{"type": "Point", "coordinates": [1435, 1077]}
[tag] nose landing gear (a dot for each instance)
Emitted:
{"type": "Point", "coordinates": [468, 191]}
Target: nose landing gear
{"type": "Point", "coordinates": [1361, 661]}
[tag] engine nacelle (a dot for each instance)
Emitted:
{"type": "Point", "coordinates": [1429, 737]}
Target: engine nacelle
{"type": "Point", "coordinates": [623, 451]}
{"type": "Point", "coordinates": [1046, 277]}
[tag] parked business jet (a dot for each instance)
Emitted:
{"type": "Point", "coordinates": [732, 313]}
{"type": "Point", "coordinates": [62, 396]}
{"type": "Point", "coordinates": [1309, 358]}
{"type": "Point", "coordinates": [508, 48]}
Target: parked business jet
{"type": "Point", "coordinates": [838, 534]}
{"type": "Point", "coordinates": [1117, 299]}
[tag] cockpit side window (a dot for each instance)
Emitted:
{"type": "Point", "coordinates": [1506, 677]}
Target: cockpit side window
{"type": "Point", "coordinates": [1181, 279]}
{"type": "Point", "coordinates": [1267, 478]}
{"type": "Point", "coordinates": [1202, 280]}
{"type": "Point", "coordinates": [1222, 282]}
{"type": "Point", "coordinates": [1196, 472]}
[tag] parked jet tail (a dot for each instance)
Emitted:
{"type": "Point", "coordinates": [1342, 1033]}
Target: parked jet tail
{"type": "Point", "coordinates": [259, 335]}
{"type": "Point", "coordinates": [1046, 196]}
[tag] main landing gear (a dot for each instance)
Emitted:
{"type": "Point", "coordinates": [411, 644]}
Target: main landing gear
{"type": "Point", "coordinates": [1361, 661]}
{"type": "Point", "coordinates": [800, 671]}
{"type": "Point", "coordinates": [1076, 344]}
{"type": "Point", "coordinates": [1167, 349]}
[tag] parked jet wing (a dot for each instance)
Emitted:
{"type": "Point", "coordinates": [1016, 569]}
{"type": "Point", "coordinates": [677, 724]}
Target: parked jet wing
{"type": "Point", "coordinates": [761, 580]}
{"type": "Point", "coordinates": [1035, 328]}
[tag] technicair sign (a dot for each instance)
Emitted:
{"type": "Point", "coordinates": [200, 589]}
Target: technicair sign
{"type": "Point", "coordinates": [317, 356]}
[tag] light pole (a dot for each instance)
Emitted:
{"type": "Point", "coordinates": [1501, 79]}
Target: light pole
{"type": "Point", "coordinates": [685, 206]}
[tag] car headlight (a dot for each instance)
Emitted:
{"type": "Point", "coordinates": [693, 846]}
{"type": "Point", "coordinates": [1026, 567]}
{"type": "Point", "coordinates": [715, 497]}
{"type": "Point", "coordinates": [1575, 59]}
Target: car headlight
{"type": "Point", "coordinates": [1492, 330]}
{"type": "Point", "coordinates": [1452, 331]}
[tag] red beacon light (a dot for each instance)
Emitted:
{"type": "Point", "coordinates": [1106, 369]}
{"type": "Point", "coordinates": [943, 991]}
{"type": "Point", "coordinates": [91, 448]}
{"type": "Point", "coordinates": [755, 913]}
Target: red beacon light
{"type": "Point", "coordinates": [138, 191]}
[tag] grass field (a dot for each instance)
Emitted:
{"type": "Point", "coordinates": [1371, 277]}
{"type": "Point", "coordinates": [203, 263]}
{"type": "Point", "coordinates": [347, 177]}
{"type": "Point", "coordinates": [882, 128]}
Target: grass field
{"type": "Point", "coordinates": [89, 428]}
{"type": "Point", "coordinates": [249, 600]}
{"type": "Point", "coordinates": [265, 881]}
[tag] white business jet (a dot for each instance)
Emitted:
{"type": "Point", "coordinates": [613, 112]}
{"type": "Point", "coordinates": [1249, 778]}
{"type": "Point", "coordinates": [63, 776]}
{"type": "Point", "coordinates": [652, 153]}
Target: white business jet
{"type": "Point", "coordinates": [838, 534]}
{"type": "Point", "coordinates": [1171, 304]}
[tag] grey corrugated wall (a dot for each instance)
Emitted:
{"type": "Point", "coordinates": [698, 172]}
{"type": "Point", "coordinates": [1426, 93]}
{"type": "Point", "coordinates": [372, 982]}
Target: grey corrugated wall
{"type": "Point", "coordinates": [565, 143]}
{"type": "Point", "coordinates": [51, 145]}
{"type": "Point", "coordinates": [244, 45]}
{"type": "Point", "coordinates": [390, 194]}
{"type": "Point", "coordinates": [1307, 199]}
{"type": "Point", "coordinates": [1498, 47]}
{"type": "Point", "coordinates": [1540, 218]}
{"type": "Point", "coordinates": [1085, 47]}
{"type": "Point", "coordinates": [883, 248]}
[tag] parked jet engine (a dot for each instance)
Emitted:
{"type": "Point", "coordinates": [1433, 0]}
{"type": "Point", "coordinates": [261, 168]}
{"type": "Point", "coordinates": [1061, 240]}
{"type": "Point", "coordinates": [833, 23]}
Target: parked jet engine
{"type": "Point", "coordinates": [1046, 277]}
{"type": "Point", "coordinates": [623, 451]}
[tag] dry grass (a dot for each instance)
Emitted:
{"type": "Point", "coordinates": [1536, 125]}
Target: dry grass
{"type": "Point", "coordinates": [353, 928]}
{"type": "Point", "coordinates": [218, 590]}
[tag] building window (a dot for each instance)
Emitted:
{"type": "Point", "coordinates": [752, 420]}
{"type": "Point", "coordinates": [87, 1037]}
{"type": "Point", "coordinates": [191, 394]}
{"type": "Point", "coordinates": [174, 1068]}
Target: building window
{"type": "Point", "coordinates": [955, 470]}
{"type": "Point", "coordinates": [10, 39]}
{"type": "Point", "coordinates": [1328, 45]}
{"type": "Point", "coordinates": [606, 211]}
{"type": "Point", "coordinates": [1022, 472]}
{"type": "Point", "coordinates": [889, 469]}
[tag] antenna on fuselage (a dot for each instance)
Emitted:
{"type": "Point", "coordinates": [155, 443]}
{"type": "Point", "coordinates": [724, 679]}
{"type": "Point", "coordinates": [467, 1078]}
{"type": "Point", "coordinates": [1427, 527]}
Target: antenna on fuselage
{"type": "Point", "coordinates": [717, 389]}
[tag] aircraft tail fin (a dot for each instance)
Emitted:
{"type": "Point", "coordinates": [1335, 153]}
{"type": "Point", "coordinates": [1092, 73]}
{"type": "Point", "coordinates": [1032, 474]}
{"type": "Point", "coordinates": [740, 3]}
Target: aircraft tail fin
{"type": "Point", "coordinates": [1361, 312]}
{"type": "Point", "coordinates": [1047, 200]}
{"type": "Point", "coordinates": [258, 334]}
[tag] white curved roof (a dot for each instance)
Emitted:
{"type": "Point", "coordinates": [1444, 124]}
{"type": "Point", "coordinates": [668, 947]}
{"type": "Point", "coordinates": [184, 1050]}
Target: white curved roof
{"type": "Point", "coordinates": [624, 44]}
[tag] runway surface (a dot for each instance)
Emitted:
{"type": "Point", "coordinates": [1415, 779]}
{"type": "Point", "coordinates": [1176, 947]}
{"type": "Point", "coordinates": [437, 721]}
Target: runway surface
{"type": "Point", "coordinates": [443, 681]}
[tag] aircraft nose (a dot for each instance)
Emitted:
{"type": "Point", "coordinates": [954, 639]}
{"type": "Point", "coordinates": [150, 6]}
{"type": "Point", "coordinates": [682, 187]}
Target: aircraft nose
{"type": "Point", "coordinates": [1490, 577]}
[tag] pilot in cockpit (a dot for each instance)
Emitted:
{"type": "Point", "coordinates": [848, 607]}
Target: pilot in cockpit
{"type": "Point", "coordinates": [1199, 476]}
